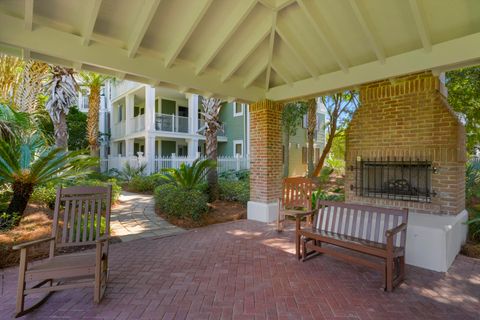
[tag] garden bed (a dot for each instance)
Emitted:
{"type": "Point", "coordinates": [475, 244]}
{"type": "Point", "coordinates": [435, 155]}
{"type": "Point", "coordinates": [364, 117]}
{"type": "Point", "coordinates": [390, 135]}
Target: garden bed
{"type": "Point", "coordinates": [219, 211]}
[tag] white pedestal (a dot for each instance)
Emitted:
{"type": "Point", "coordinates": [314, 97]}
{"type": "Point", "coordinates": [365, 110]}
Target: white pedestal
{"type": "Point", "coordinates": [264, 212]}
{"type": "Point", "coordinates": [434, 241]}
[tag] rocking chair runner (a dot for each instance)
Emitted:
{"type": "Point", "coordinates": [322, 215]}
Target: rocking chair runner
{"type": "Point", "coordinates": [76, 222]}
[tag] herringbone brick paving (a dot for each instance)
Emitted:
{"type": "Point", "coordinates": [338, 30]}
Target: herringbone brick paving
{"type": "Point", "coordinates": [245, 270]}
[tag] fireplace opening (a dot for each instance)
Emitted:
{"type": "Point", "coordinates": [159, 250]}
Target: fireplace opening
{"type": "Point", "coordinates": [409, 180]}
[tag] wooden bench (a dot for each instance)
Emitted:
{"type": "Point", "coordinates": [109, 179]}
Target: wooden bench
{"type": "Point", "coordinates": [377, 232]}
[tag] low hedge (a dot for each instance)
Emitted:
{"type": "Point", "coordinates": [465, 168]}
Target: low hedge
{"type": "Point", "coordinates": [180, 202]}
{"type": "Point", "coordinates": [145, 183]}
{"type": "Point", "coordinates": [234, 190]}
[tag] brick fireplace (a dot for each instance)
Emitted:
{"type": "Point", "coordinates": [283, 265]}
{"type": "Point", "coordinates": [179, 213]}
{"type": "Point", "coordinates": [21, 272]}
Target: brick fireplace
{"type": "Point", "coordinates": [405, 147]}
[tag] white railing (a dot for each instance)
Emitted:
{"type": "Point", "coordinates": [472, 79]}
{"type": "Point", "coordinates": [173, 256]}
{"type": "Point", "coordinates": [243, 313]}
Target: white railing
{"type": "Point", "coordinates": [171, 123]}
{"type": "Point", "coordinates": [118, 130]}
{"type": "Point", "coordinates": [223, 163]}
{"type": "Point", "coordinates": [139, 123]}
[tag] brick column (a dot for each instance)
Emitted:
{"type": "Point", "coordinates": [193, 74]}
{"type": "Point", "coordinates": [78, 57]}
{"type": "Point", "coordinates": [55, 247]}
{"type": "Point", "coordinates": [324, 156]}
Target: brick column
{"type": "Point", "coordinates": [265, 160]}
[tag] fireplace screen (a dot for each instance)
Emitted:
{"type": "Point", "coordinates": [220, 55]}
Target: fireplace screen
{"type": "Point", "coordinates": [409, 180]}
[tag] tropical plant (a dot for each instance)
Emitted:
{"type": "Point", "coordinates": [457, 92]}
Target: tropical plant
{"type": "Point", "coordinates": [130, 171]}
{"type": "Point", "coordinates": [311, 126]}
{"type": "Point", "coordinates": [10, 70]}
{"type": "Point", "coordinates": [77, 129]}
{"type": "Point", "coordinates": [340, 108]}
{"type": "Point", "coordinates": [94, 82]}
{"type": "Point", "coordinates": [472, 180]}
{"type": "Point", "coordinates": [179, 202]}
{"type": "Point", "coordinates": [211, 111]}
{"type": "Point", "coordinates": [62, 94]}
{"type": "Point", "coordinates": [30, 86]}
{"type": "Point", "coordinates": [292, 116]}
{"type": "Point", "coordinates": [11, 121]}
{"type": "Point", "coordinates": [189, 176]}
{"type": "Point", "coordinates": [26, 163]}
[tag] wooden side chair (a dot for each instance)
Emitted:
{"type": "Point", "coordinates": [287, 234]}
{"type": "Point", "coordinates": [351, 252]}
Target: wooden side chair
{"type": "Point", "coordinates": [77, 221]}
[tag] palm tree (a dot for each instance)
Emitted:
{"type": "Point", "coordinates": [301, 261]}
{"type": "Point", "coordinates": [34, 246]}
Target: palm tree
{"type": "Point", "coordinates": [189, 176]}
{"type": "Point", "coordinates": [94, 82]}
{"type": "Point", "coordinates": [12, 122]}
{"type": "Point", "coordinates": [26, 163]}
{"type": "Point", "coordinates": [10, 70]}
{"type": "Point", "coordinates": [62, 92]}
{"type": "Point", "coordinates": [211, 110]}
{"type": "Point", "coordinates": [311, 126]}
{"type": "Point", "coordinates": [30, 86]}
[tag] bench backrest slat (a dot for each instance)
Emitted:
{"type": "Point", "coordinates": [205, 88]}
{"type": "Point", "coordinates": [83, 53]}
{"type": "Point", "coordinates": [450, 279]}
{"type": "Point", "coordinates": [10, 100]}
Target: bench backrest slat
{"type": "Point", "coordinates": [364, 222]}
{"type": "Point", "coordinates": [297, 192]}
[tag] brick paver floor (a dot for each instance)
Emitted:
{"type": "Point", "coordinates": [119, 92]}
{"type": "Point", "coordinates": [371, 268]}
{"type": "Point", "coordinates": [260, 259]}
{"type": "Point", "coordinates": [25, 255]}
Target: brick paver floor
{"type": "Point", "coordinates": [134, 217]}
{"type": "Point", "coordinates": [245, 270]}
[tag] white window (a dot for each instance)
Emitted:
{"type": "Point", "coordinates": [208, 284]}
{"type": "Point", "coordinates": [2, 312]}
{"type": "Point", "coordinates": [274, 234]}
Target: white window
{"type": "Point", "coordinates": [238, 148]}
{"type": "Point", "coordinates": [237, 109]}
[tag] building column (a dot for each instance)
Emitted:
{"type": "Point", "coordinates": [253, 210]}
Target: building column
{"type": "Point", "coordinates": [150, 153]}
{"type": "Point", "coordinates": [149, 108]}
{"type": "Point", "coordinates": [192, 113]}
{"type": "Point", "coordinates": [129, 105]}
{"type": "Point", "coordinates": [129, 147]}
{"type": "Point", "coordinates": [192, 147]}
{"type": "Point", "coordinates": [266, 160]}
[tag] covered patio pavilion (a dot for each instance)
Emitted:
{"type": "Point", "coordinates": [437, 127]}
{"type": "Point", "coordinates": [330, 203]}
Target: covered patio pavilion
{"type": "Point", "coordinates": [266, 52]}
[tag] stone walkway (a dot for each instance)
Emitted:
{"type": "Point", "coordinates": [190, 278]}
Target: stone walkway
{"type": "Point", "coordinates": [134, 218]}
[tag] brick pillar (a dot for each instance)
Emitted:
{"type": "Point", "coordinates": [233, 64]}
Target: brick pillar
{"type": "Point", "coordinates": [265, 160]}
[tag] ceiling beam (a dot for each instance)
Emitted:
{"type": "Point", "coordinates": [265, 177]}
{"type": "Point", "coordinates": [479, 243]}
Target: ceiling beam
{"type": "Point", "coordinates": [282, 72]}
{"type": "Point", "coordinates": [419, 18]}
{"type": "Point", "coordinates": [255, 72]}
{"type": "Point", "coordinates": [77, 66]}
{"type": "Point", "coordinates": [93, 8]}
{"type": "Point", "coordinates": [271, 46]}
{"type": "Point", "coordinates": [46, 40]}
{"type": "Point", "coordinates": [456, 52]}
{"type": "Point", "coordinates": [26, 54]}
{"type": "Point", "coordinates": [298, 49]}
{"type": "Point", "coordinates": [281, 4]}
{"type": "Point", "coordinates": [28, 15]}
{"type": "Point", "coordinates": [196, 12]}
{"type": "Point", "coordinates": [368, 31]}
{"type": "Point", "coordinates": [322, 30]}
{"type": "Point", "coordinates": [246, 50]}
{"type": "Point", "coordinates": [144, 18]}
{"type": "Point", "coordinates": [223, 34]}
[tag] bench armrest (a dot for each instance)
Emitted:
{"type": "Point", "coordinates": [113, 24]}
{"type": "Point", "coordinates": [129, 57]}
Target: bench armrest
{"type": "Point", "coordinates": [102, 239]}
{"type": "Point", "coordinates": [391, 232]}
{"type": "Point", "coordinates": [31, 243]}
{"type": "Point", "coordinates": [303, 214]}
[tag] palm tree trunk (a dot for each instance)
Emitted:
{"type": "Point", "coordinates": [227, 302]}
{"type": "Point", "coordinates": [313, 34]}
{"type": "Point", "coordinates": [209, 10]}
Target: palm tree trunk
{"type": "Point", "coordinates": [312, 124]}
{"type": "Point", "coordinates": [21, 195]}
{"type": "Point", "coordinates": [61, 131]}
{"type": "Point", "coordinates": [92, 120]}
{"type": "Point", "coordinates": [286, 156]}
{"type": "Point", "coordinates": [211, 150]}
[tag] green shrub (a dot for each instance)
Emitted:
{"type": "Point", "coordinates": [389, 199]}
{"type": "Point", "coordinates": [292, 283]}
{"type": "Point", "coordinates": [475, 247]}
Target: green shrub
{"type": "Point", "coordinates": [234, 190]}
{"type": "Point", "coordinates": [45, 195]}
{"type": "Point", "coordinates": [180, 202]}
{"type": "Point", "coordinates": [322, 195]}
{"type": "Point", "coordinates": [116, 188]}
{"type": "Point", "coordinates": [7, 221]}
{"type": "Point", "coordinates": [146, 183]}
{"type": "Point", "coordinates": [235, 175]}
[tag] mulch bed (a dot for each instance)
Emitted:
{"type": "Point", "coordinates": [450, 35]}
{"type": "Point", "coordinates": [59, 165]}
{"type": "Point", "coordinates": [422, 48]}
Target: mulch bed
{"type": "Point", "coordinates": [220, 211]}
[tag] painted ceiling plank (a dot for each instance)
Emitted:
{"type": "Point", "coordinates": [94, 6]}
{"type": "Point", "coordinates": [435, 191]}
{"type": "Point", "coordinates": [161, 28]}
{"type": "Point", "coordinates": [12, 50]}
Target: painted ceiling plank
{"type": "Point", "coordinates": [179, 41]}
{"type": "Point", "coordinates": [255, 73]}
{"type": "Point", "coordinates": [368, 31]}
{"type": "Point", "coordinates": [93, 10]}
{"type": "Point", "coordinates": [298, 50]}
{"type": "Point", "coordinates": [143, 21]}
{"type": "Point", "coordinates": [223, 34]}
{"type": "Point", "coordinates": [271, 47]}
{"type": "Point", "coordinates": [29, 15]}
{"type": "Point", "coordinates": [282, 72]}
{"type": "Point", "coordinates": [246, 50]}
{"type": "Point", "coordinates": [418, 16]}
{"type": "Point", "coordinates": [318, 23]}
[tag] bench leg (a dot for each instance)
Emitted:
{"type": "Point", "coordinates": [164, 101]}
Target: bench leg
{"type": "Point", "coordinates": [389, 274]}
{"type": "Point", "coordinates": [401, 273]}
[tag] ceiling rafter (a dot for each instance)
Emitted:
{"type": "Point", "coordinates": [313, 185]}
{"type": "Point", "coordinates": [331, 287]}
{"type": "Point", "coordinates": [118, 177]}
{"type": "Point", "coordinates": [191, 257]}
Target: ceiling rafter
{"type": "Point", "coordinates": [144, 19]}
{"type": "Point", "coordinates": [255, 72]}
{"type": "Point", "coordinates": [246, 50]}
{"type": "Point", "coordinates": [93, 8]}
{"type": "Point", "coordinates": [368, 31]}
{"type": "Point", "coordinates": [179, 41]}
{"type": "Point", "coordinates": [29, 15]}
{"type": "Point", "coordinates": [280, 69]}
{"type": "Point", "coordinates": [298, 49]}
{"type": "Point", "coordinates": [418, 16]}
{"type": "Point", "coordinates": [271, 46]}
{"type": "Point", "coordinates": [318, 22]}
{"type": "Point", "coordinates": [223, 34]}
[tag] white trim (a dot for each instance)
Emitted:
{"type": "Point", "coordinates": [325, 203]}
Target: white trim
{"type": "Point", "coordinates": [235, 143]}
{"type": "Point", "coordinates": [235, 113]}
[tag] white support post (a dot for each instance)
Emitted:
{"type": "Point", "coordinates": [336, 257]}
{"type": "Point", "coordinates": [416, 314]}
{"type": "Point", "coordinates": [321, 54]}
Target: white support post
{"type": "Point", "coordinates": [192, 148]}
{"type": "Point", "coordinates": [150, 153]}
{"type": "Point", "coordinates": [149, 108]}
{"type": "Point", "coordinates": [129, 148]}
{"type": "Point", "coordinates": [130, 99]}
{"type": "Point", "coordinates": [192, 112]}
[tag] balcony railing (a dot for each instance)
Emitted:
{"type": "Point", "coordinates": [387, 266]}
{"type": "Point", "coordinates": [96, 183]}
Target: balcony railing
{"type": "Point", "coordinates": [171, 123]}
{"type": "Point", "coordinates": [139, 123]}
{"type": "Point", "coordinates": [118, 130]}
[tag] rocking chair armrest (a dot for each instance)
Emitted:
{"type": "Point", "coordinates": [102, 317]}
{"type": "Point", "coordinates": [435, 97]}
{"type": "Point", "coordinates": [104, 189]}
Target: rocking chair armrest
{"type": "Point", "coordinates": [397, 229]}
{"type": "Point", "coordinates": [304, 214]}
{"type": "Point", "coordinates": [31, 243]}
{"type": "Point", "coordinates": [102, 239]}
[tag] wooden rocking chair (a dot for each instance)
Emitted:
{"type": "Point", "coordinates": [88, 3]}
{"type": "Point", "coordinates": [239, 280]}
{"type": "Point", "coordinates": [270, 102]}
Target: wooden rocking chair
{"type": "Point", "coordinates": [76, 222]}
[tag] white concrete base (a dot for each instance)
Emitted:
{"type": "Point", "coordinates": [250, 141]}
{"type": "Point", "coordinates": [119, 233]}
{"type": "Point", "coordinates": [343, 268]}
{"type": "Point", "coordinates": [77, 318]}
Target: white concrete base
{"type": "Point", "coordinates": [434, 241]}
{"type": "Point", "coordinates": [264, 212]}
